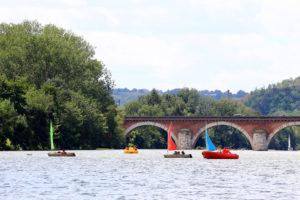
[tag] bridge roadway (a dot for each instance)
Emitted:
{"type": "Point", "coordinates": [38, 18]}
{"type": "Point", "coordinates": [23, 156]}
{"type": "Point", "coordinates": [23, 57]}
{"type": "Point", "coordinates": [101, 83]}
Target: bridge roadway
{"type": "Point", "coordinates": [259, 130]}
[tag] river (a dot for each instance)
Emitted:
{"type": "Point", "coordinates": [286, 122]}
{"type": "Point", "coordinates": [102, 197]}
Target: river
{"type": "Point", "coordinates": [111, 174]}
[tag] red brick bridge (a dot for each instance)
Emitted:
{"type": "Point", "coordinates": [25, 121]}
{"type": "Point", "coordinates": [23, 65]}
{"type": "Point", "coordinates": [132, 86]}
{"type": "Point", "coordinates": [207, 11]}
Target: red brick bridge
{"type": "Point", "coordinates": [187, 130]}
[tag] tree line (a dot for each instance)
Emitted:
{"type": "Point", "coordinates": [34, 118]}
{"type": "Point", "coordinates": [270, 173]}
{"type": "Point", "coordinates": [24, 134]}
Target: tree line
{"type": "Point", "coordinates": [123, 96]}
{"type": "Point", "coordinates": [279, 99]}
{"type": "Point", "coordinates": [48, 73]}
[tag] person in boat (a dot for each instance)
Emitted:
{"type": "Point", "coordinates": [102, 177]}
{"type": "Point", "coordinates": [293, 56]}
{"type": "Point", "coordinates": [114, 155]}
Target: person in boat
{"type": "Point", "coordinates": [134, 147]}
{"type": "Point", "coordinates": [182, 152]}
{"type": "Point", "coordinates": [64, 152]}
{"type": "Point", "coordinates": [226, 151]}
{"type": "Point", "coordinates": [127, 148]}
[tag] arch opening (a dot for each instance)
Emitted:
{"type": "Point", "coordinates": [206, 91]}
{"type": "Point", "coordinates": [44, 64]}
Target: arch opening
{"type": "Point", "coordinates": [224, 135]}
{"type": "Point", "coordinates": [147, 135]}
{"type": "Point", "coordinates": [278, 140]}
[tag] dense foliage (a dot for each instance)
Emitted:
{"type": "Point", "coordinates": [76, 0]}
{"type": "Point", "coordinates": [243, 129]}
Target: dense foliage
{"type": "Point", "coordinates": [47, 73]}
{"type": "Point", "coordinates": [279, 99]}
{"type": "Point", "coordinates": [187, 102]}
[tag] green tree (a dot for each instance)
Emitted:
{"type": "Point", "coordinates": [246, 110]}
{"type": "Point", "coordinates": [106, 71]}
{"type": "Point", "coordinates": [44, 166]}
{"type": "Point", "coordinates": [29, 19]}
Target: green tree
{"type": "Point", "coordinates": [206, 107]}
{"type": "Point", "coordinates": [132, 108]}
{"type": "Point", "coordinates": [191, 99]}
{"type": "Point", "coordinates": [48, 73]}
{"type": "Point", "coordinates": [284, 96]}
{"type": "Point", "coordinates": [38, 109]}
{"type": "Point", "coordinates": [7, 117]}
{"type": "Point", "coordinates": [14, 91]}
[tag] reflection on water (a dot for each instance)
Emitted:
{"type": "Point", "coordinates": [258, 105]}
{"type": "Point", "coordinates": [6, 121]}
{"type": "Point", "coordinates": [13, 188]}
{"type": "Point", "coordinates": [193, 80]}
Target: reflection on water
{"type": "Point", "coordinates": [112, 174]}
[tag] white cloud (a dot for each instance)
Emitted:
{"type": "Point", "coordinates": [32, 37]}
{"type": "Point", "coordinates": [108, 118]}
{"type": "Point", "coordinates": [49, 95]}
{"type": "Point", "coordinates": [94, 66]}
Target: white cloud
{"type": "Point", "coordinates": [6, 13]}
{"type": "Point", "coordinates": [279, 18]}
{"type": "Point", "coordinates": [63, 17]}
{"type": "Point", "coordinates": [70, 3]}
{"type": "Point", "coordinates": [217, 8]}
{"type": "Point", "coordinates": [107, 13]}
{"type": "Point", "coordinates": [161, 58]}
{"type": "Point", "coordinates": [204, 44]}
{"type": "Point", "coordinates": [245, 47]}
{"type": "Point", "coordinates": [219, 62]}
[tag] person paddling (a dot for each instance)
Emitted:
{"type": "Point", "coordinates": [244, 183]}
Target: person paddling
{"type": "Point", "coordinates": [226, 151]}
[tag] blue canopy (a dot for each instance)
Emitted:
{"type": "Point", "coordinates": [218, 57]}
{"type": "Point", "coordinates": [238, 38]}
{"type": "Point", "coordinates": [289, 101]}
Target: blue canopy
{"type": "Point", "coordinates": [209, 145]}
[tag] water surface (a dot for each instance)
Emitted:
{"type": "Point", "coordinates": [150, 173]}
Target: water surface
{"type": "Point", "coordinates": [111, 174]}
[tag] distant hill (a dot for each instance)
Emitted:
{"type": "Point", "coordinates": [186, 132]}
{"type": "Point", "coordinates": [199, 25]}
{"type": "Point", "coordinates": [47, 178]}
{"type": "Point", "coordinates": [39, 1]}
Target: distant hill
{"type": "Point", "coordinates": [124, 95]}
{"type": "Point", "coordinates": [278, 99]}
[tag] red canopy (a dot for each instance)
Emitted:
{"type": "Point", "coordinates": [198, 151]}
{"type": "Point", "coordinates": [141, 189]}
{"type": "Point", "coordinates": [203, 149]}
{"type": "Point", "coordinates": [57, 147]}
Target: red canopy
{"type": "Point", "coordinates": [171, 145]}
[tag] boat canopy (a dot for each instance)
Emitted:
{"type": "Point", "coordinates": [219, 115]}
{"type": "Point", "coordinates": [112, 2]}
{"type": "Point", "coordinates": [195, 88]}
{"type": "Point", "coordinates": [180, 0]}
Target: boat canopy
{"type": "Point", "coordinates": [51, 136]}
{"type": "Point", "coordinates": [171, 145]}
{"type": "Point", "coordinates": [209, 145]}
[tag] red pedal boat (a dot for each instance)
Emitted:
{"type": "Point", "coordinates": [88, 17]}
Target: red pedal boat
{"type": "Point", "coordinates": [211, 152]}
{"type": "Point", "coordinates": [219, 155]}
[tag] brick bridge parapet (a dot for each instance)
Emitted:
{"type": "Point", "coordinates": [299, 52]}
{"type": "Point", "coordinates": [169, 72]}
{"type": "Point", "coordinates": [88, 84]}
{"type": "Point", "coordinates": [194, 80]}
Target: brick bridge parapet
{"type": "Point", "coordinates": [259, 130]}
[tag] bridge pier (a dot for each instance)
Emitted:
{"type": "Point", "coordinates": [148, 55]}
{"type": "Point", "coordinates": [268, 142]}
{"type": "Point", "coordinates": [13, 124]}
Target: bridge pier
{"type": "Point", "coordinates": [184, 139]}
{"type": "Point", "coordinates": [259, 140]}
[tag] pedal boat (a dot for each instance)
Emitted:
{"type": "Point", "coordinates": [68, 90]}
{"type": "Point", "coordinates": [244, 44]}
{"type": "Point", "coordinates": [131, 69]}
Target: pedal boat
{"type": "Point", "coordinates": [219, 155]}
{"type": "Point", "coordinates": [178, 156]}
{"type": "Point", "coordinates": [60, 154]}
{"type": "Point", "coordinates": [131, 150]}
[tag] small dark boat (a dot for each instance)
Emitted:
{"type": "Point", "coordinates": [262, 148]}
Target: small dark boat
{"type": "Point", "coordinates": [60, 154]}
{"type": "Point", "coordinates": [219, 155]}
{"type": "Point", "coordinates": [178, 156]}
{"type": "Point", "coordinates": [172, 146]}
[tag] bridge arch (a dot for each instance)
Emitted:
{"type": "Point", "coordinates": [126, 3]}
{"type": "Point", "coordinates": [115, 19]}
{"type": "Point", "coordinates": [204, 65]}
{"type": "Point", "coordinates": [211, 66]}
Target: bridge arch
{"type": "Point", "coordinates": [279, 129]}
{"type": "Point", "coordinates": [198, 134]}
{"type": "Point", "coordinates": [148, 123]}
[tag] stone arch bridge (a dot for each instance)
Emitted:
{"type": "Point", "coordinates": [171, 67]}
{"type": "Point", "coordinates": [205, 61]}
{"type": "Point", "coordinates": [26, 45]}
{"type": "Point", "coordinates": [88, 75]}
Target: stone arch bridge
{"type": "Point", "coordinates": [187, 130]}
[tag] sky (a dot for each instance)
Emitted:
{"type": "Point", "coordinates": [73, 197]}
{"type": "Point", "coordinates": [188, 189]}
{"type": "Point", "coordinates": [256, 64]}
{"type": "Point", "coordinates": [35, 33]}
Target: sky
{"type": "Point", "coordinates": [165, 44]}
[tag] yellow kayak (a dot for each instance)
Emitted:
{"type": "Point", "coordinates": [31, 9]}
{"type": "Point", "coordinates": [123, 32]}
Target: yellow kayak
{"type": "Point", "coordinates": [130, 150]}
